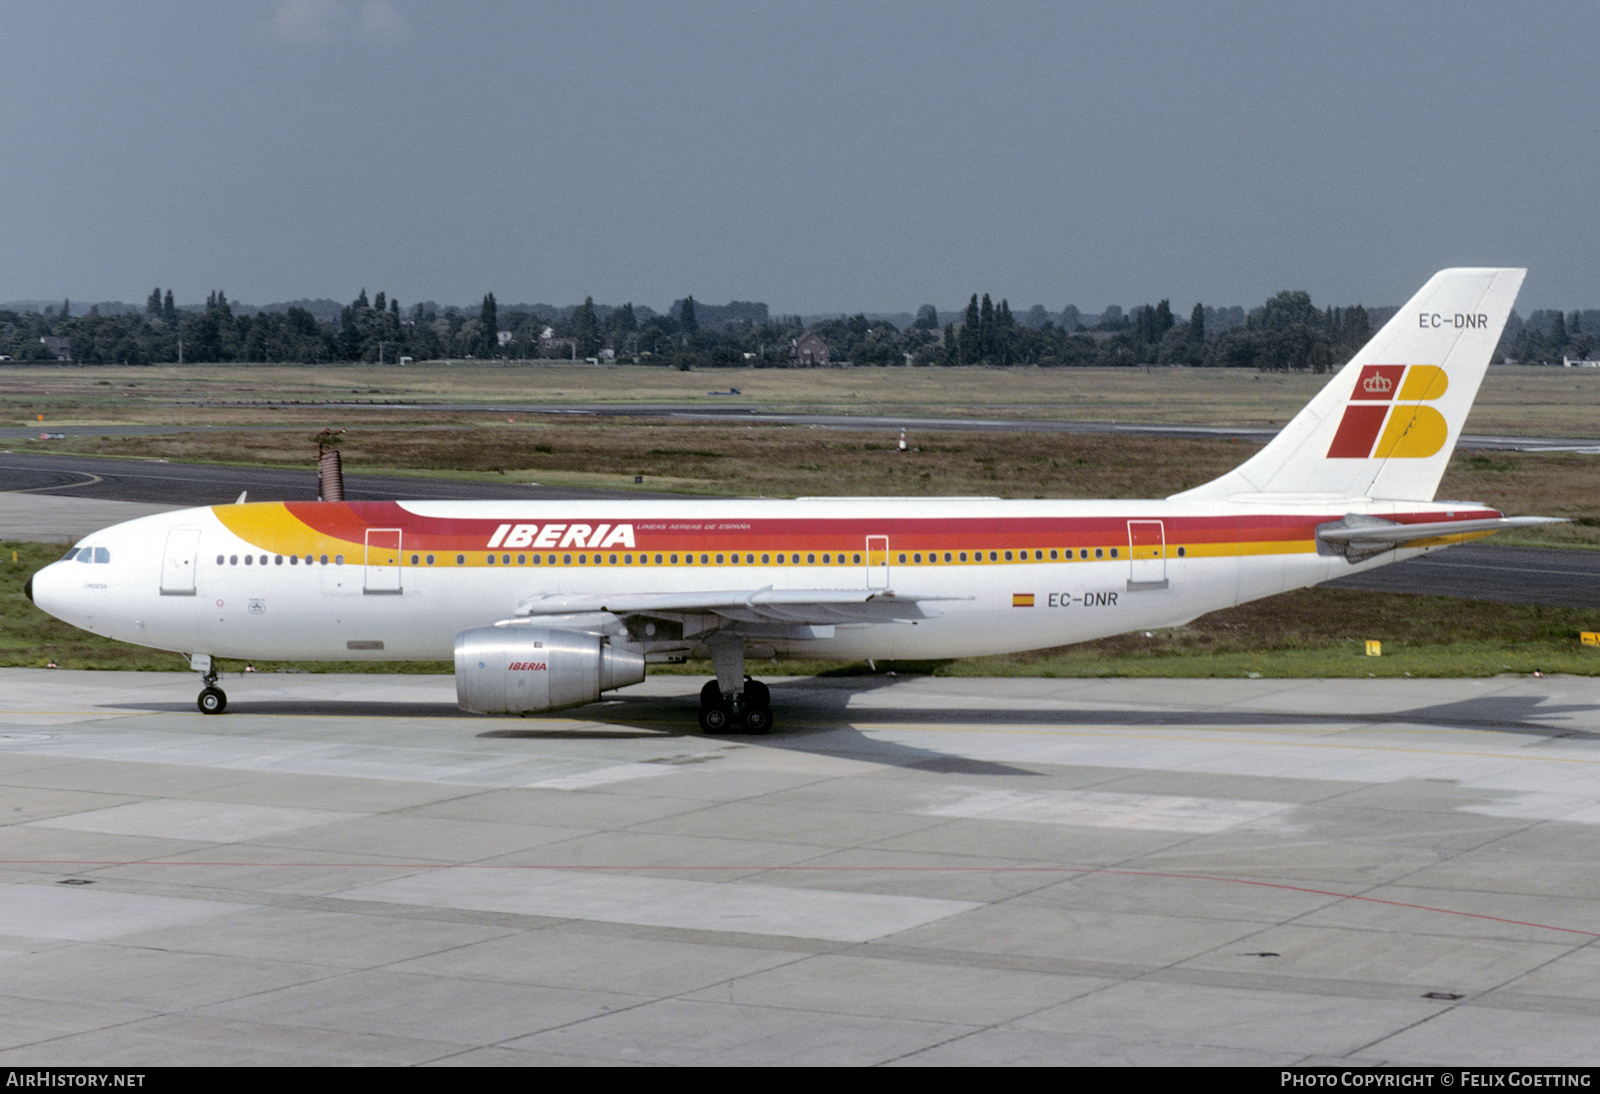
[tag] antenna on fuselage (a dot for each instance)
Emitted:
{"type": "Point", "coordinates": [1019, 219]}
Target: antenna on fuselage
{"type": "Point", "coordinates": [330, 472]}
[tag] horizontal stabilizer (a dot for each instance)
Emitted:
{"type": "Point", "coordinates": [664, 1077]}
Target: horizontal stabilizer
{"type": "Point", "coordinates": [1384, 532]}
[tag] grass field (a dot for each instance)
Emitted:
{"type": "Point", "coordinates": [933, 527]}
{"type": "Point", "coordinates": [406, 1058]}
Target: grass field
{"type": "Point", "coordinates": [1516, 400]}
{"type": "Point", "coordinates": [1317, 632]}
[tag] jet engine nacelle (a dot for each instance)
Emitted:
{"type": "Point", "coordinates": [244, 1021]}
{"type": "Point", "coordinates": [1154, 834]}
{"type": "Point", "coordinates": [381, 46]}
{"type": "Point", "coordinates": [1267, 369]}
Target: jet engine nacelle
{"type": "Point", "coordinates": [510, 670]}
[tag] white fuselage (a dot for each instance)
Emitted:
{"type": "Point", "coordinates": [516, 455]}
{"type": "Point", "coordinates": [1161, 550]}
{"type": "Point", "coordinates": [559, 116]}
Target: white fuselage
{"type": "Point", "coordinates": [387, 581]}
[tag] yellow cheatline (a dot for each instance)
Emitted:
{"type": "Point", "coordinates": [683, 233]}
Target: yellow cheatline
{"type": "Point", "coordinates": [271, 527]}
{"type": "Point", "coordinates": [1255, 547]}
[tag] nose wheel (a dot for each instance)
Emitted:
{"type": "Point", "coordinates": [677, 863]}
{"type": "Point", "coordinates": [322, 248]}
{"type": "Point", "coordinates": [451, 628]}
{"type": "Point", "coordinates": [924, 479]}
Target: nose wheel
{"type": "Point", "coordinates": [213, 700]}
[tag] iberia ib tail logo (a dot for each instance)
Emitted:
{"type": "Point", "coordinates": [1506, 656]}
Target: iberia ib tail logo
{"type": "Point", "coordinates": [1388, 415]}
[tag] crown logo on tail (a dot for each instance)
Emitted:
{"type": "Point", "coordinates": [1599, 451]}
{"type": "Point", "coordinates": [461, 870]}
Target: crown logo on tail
{"type": "Point", "coordinates": [1374, 426]}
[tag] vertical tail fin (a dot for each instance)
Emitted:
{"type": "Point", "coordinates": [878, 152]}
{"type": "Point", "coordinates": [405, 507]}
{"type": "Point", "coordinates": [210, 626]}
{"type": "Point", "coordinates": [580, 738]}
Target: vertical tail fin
{"type": "Point", "coordinates": [1387, 423]}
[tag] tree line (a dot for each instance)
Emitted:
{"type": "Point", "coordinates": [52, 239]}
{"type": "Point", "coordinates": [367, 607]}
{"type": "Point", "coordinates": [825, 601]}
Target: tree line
{"type": "Point", "coordinates": [1288, 332]}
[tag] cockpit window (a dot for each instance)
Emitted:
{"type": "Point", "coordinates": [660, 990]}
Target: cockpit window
{"type": "Point", "coordinates": [86, 554]}
{"type": "Point", "coordinates": [102, 554]}
{"type": "Point", "coordinates": [68, 556]}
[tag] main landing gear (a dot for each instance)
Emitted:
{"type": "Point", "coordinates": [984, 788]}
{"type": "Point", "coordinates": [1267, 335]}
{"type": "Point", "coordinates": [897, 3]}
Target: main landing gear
{"type": "Point", "coordinates": [733, 702]}
{"type": "Point", "coordinates": [212, 700]}
{"type": "Point", "coordinates": [747, 711]}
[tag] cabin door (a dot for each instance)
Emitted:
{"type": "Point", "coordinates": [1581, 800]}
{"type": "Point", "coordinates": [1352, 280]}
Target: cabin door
{"type": "Point", "coordinates": [1147, 554]}
{"type": "Point", "coordinates": [877, 562]}
{"type": "Point", "coordinates": [383, 561]}
{"type": "Point", "coordinates": [178, 560]}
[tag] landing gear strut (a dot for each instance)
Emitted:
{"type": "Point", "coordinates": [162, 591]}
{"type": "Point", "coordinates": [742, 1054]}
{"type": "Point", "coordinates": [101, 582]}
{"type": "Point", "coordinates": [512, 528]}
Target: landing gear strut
{"type": "Point", "coordinates": [733, 702]}
{"type": "Point", "coordinates": [213, 700]}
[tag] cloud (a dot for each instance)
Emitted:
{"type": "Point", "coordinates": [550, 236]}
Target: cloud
{"type": "Point", "coordinates": [324, 22]}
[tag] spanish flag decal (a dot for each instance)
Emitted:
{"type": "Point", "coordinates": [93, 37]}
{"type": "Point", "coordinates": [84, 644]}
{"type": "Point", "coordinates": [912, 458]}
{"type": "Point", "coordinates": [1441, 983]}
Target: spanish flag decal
{"type": "Point", "coordinates": [1022, 600]}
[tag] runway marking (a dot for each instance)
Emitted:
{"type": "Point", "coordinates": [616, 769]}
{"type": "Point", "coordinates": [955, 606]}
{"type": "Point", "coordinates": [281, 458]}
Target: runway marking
{"type": "Point", "coordinates": [90, 481]}
{"type": "Point", "coordinates": [1082, 871]}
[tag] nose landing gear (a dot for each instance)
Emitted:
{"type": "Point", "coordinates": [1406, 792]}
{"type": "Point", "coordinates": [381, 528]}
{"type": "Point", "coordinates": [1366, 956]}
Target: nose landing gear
{"type": "Point", "coordinates": [212, 700]}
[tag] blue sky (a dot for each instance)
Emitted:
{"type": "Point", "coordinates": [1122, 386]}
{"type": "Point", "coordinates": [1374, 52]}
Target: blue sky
{"type": "Point", "coordinates": [816, 156]}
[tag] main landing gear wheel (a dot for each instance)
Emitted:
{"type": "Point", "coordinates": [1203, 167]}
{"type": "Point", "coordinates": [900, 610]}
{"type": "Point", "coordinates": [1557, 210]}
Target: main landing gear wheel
{"type": "Point", "coordinates": [750, 711]}
{"type": "Point", "coordinates": [213, 700]}
{"type": "Point", "coordinates": [717, 718]}
{"type": "Point", "coordinates": [756, 706]}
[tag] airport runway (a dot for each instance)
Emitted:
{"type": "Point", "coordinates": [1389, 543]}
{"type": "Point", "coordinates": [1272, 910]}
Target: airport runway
{"type": "Point", "coordinates": [740, 413]}
{"type": "Point", "coordinates": [347, 870]}
{"type": "Point", "coordinates": [187, 484]}
{"type": "Point", "coordinates": [1488, 571]}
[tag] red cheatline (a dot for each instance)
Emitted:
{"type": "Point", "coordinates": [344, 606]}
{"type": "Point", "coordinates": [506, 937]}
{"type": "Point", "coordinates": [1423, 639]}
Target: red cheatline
{"type": "Point", "coordinates": [1079, 870]}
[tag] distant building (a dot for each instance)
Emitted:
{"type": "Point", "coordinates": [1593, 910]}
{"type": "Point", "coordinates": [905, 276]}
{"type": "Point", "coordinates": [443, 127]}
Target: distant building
{"type": "Point", "coordinates": [808, 351]}
{"type": "Point", "coordinates": [1580, 362]}
{"type": "Point", "coordinates": [58, 346]}
{"type": "Point", "coordinates": [549, 344]}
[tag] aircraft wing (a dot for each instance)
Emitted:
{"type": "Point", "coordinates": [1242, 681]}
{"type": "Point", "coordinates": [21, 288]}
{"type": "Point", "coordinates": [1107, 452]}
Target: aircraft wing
{"type": "Point", "coordinates": [764, 605]}
{"type": "Point", "coordinates": [1371, 531]}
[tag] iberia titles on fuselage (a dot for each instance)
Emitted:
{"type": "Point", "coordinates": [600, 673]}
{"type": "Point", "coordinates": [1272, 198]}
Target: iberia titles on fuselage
{"type": "Point", "coordinates": [1346, 486]}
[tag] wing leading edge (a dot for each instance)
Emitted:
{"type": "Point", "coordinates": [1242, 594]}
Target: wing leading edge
{"type": "Point", "coordinates": [764, 605]}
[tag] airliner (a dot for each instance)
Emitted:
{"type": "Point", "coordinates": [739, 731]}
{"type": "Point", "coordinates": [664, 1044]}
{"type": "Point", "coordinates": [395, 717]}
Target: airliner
{"type": "Point", "coordinates": [545, 605]}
